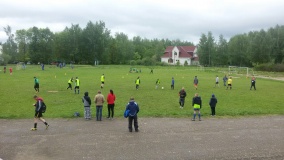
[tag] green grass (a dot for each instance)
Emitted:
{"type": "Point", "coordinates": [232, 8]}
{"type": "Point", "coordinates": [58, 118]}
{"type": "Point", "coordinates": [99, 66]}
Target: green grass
{"type": "Point", "coordinates": [17, 91]}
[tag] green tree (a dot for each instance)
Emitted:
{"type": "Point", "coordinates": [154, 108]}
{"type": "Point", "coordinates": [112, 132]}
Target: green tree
{"type": "Point", "coordinates": [10, 47]}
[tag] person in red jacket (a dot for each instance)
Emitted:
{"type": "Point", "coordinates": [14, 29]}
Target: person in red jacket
{"type": "Point", "coordinates": [110, 104]}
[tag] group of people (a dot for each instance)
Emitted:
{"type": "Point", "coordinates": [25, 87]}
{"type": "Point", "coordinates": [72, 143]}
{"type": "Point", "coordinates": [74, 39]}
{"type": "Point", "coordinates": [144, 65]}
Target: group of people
{"type": "Point", "coordinates": [197, 103]}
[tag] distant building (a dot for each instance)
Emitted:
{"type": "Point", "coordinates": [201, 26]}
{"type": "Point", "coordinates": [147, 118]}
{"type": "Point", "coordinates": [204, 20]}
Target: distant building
{"type": "Point", "coordinates": [181, 54]}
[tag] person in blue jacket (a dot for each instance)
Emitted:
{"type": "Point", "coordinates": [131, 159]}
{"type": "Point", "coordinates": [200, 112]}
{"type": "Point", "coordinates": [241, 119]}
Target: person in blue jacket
{"type": "Point", "coordinates": [133, 108]}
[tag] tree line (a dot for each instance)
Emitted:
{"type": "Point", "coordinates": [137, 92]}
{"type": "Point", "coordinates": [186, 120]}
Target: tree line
{"type": "Point", "coordinates": [94, 43]}
{"type": "Point", "coordinates": [248, 49]}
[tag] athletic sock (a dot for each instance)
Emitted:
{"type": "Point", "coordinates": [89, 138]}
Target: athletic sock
{"type": "Point", "coordinates": [35, 125]}
{"type": "Point", "coordinates": [194, 115]}
{"type": "Point", "coordinates": [199, 115]}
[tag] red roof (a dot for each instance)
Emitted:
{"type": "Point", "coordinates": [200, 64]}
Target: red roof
{"type": "Point", "coordinates": [184, 51]}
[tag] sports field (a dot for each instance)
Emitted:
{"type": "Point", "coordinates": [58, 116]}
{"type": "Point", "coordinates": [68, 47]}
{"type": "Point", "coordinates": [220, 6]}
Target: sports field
{"type": "Point", "coordinates": [17, 91]}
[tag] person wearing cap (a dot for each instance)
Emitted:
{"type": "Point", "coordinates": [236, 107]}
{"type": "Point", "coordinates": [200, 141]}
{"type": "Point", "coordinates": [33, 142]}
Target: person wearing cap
{"type": "Point", "coordinates": [133, 108]}
{"type": "Point", "coordinates": [99, 101]}
{"type": "Point", "coordinates": [212, 103]}
{"type": "Point", "coordinates": [36, 85]}
{"type": "Point", "coordinates": [197, 104]}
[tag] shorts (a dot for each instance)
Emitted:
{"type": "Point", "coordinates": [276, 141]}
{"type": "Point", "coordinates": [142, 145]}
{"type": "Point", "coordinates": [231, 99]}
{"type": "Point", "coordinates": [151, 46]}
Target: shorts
{"type": "Point", "coordinates": [217, 82]}
{"type": "Point", "coordinates": [196, 109]}
{"type": "Point", "coordinates": [103, 82]}
{"type": "Point", "coordinates": [77, 87]}
{"type": "Point", "coordinates": [36, 85]}
{"type": "Point", "coordinates": [195, 85]}
{"type": "Point", "coordinates": [38, 114]}
{"type": "Point", "coordinates": [229, 84]}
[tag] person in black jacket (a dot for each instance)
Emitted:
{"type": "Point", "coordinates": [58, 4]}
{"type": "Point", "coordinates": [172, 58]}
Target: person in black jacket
{"type": "Point", "coordinates": [38, 112]}
{"type": "Point", "coordinates": [212, 103]}
{"type": "Point", "coordinates": [133, 108]}
{"type": "Point", "coordinates": [87, 105]}
{"type": "Point", "coordinates": [182, 95]}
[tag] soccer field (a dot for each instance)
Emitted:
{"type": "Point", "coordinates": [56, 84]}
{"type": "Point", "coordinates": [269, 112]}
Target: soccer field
{"type": "Point", "coordinates": [17, 91]}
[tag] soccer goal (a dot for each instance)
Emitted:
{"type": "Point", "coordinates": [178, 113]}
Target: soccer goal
{"type": "Point", "coordinates": [240, 70]}
{"type": "Point", "coordinates": [200, 68]}
{"type": "Point", "coordinates": [20, 65]}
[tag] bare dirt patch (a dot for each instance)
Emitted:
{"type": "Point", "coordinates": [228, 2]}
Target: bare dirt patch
{"type": "Point", "coordinates": [159, 138]}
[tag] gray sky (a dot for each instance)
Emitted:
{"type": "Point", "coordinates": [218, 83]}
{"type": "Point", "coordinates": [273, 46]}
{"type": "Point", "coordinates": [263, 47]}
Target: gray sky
{"type": "Point", "coordinates": [172, 19]}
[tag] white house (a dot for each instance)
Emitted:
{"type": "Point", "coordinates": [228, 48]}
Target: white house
{"type": "Point", "coordinates": [174, 54]}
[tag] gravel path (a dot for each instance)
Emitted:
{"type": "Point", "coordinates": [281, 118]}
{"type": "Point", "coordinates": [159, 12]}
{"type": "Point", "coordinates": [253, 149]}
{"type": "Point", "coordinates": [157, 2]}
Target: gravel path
{"type": "Point", "coordinates": [158, 139]}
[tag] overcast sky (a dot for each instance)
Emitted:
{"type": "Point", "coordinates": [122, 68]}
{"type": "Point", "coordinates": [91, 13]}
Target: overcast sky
{"type": "Point", "coordinates": [173, 19]}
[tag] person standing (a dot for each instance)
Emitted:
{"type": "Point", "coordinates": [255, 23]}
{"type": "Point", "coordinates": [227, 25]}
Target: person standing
{"type": "Point", "coordinates": [133, 108]}
{"type": "Point", "coordinates": [38, 113]}
{"type": "Point", "coordinates": [36, 85]}
{"type": "Point", "coordinates": [230, 81]}
{"type": "Point", "coordinates": [197, 104]}
{"type": "Point", "coordinates": [11, 70]}
{"type": "Point", "coordinates": [4, 69]}
{"type": "Point", "coordinates": [182, 95]}
{"type": "Point", "coordinates": [225, 80]}
{"type": "Point", "coordinates": [195, 82]}
{"type": "Point", "coordinates": [151, 72]}
{"type": "Point", "coordinates": [173, 83]}
{"type": "Point", "coordinates": [157, 83]}
{"type": "Point", "coordinates": [102, 81]}
{"type": "Point", "coordinates": [70, 83]}
{"type": "Point", "coordinates": [137, 82]}
{"type": "Point", "coordinates": [217, 81]}
{"type": "Point", "coordinates": [212, 103]}
{"type": "Point", "coordinates": [252, 83]}
{"type": "Point", "coordinates": [87, 106]}
{"type": "Point", "coordinates": [110, 104]}
{"type": "Point", "coordinates": [77, 85]}
{"type": "Point", "coordinates": [99, 101]}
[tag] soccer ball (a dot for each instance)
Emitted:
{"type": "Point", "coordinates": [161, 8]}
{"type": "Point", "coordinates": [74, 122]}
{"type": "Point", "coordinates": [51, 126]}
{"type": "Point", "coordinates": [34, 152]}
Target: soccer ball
{"type": "Point", "coordinates": [162, 87]}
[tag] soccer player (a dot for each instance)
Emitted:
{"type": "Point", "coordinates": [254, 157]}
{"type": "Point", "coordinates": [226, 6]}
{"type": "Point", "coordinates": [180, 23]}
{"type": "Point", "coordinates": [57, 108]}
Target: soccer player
{"type": "Point", "coordinates": [173, 83]}
{"type": "Point", "coordinates": [252, 83]}
{"type": "Point", "coordinates": [11, 70]}
{"type": "Point", "coordinates": [225, 80]}
{"type": "Point", "coordinates": [102, 81]}
{"type": "Point", "coordinates": [157, 83]}
{"type": "Point", "coordinates": [217, 81]}
{"type": "Point", "coordinates": [195, 82]}
{"type": "Point", "coordinates": [77, 85]}
{"type": "Point", "coordinates": [38, 112]}
{"type": "Point", "coordinates": [4, 69]}
{"type": "Point", "coordinates": [182, 95]}
{"type": "Point", "coordinates": [36, 86]}
{"type": "Point", "coordinates": [197, 104]}
{"type": "Point", "coordinates": [230, 81]}
{"type": "Point", "coordinates": [137, 82]}
{"type": "Point", "coordinates": [70, 83]}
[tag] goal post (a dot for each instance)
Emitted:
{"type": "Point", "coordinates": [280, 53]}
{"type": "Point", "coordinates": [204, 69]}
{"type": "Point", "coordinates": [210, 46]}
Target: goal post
{"type": "Point", "coordinates": [240, 70]}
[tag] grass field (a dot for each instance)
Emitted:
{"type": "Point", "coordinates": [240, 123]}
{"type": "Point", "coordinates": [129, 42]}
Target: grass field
{"type": "Point", "coordinates": [17, 91]}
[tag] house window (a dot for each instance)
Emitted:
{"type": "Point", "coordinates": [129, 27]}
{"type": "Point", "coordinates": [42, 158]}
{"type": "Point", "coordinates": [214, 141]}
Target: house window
{"type": "Point", "coordinates": [170, 60]}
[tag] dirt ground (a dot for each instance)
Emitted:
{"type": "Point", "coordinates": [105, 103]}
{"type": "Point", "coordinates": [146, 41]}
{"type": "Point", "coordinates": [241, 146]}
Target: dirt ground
{"type": "Point", "coordinates": [158, 139]}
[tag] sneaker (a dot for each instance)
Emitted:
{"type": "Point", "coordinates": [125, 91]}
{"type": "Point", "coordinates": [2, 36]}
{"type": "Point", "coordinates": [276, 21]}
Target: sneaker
{"type": "Point", "coordinates": [179, 106]}
{"type": "Point", "coordinates": [199, 119]}
{"type": "Point", "coordinates": [33, 129]}
{"type": "Point", "coordinates": [130, 130]}
{"type": "Point", "coordinates": [136, 130]}
{"type": "Point", "coordinates": [46, 127]}
{"type": "Point", "coordinates": [193, 119]}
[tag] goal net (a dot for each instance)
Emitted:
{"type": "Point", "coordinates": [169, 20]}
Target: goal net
{"type": "Point", "coordinates": [20, 65]}
{"type": "Point", "coordinates": [240, 70]}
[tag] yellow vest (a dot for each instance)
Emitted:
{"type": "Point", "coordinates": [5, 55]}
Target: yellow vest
{"type": "Point", "coordinates": [230, 81]}
{"type": "Point", "coordinates": [102, 78]}
{"type": "Point", "coordinates": [137, 81]}
{"type": "Point", "coordinates": [77, 82]}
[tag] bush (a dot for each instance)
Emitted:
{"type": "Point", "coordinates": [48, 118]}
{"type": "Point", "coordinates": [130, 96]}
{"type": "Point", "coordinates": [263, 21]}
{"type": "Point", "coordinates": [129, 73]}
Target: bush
{"type": "Point", "coordinates": [270, 67]}
{"type": "Point", "coordinates": [185, 63]}
{"type": "Point", "coordinates": [132, 62]}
